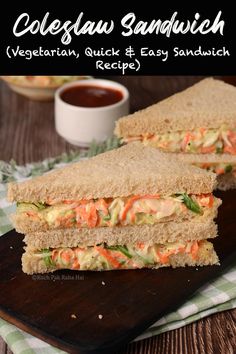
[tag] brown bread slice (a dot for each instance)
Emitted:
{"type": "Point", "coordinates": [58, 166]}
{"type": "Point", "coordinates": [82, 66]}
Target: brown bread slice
{"type": "Point", "coordinates": [210, 103]}
{"type": "Point", "coordinates": [158, 233]}
{"type": "Point", "coordinates": [225, 181]}
{"type": "Point", "coordinates": [130, 170]}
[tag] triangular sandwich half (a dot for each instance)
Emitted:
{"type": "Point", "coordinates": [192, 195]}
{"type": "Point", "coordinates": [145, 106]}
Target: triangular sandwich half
{"type": "Point", "coordinates": [199, 120]}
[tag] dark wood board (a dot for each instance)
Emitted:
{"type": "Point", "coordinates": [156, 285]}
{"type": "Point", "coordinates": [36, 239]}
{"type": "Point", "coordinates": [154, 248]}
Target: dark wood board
{"type": "Point", "coordinates": [129, 302]}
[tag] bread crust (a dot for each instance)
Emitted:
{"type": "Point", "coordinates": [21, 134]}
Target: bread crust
{"type": "Point", "coordinates": [158, 233]}
{"type": "Point", "coordinates": [130, 170]}
{"type": "Point", "coordinates": [210, 103]}
{"type": "Point", "coordinates": [205, 158]}
{"type": "Point", "coordinates": [32, 264]}
{"type": "Point", "coordinates": [225, 181]}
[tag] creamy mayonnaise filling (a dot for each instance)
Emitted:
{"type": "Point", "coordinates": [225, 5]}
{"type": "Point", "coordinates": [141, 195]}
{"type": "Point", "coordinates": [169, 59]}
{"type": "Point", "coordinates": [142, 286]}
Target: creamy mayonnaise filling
{"type": "Point", "coordinates": [134, 210]}
{"type": "Point", "coordinates": [218, 168]}
{"type": "Point", "coordinates": [222, 140]}
{"type": "Point", "coordinates": [129, 256]}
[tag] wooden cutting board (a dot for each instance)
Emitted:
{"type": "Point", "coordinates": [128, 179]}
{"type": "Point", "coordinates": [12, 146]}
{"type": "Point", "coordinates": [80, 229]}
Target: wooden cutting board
{"type": "Point", "coordinates": [89, 312]}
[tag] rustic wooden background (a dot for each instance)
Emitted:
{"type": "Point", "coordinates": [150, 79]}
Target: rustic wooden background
{"type": "Point", "coordinates": [27, 134]}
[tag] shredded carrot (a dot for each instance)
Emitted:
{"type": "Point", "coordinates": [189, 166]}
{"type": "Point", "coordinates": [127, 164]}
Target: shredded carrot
{"type": "Point", "coordinates": [207, 149]}
{"type": "Point", "coordinates": [40, 80]}
{"type": "Point", "coordinates": [164, 257]}
{"type": "Point", "coordinates": [188, 137]}
{"type": "Point", "coordinates": [102, 205]}
{"type": "Point", "coordinates": [194, 250]}
{"type": "Point", "coordinates": [68, 223]}
{"type": "Point", "coordinates": [220, 171]}
{"type": "Point", "coordinates": [31, 213]}
{"type": "Point", "coordinates": [132, 217]}
{"type": "Point", "coordinates": [129, 139]}
{"type": "Point", "coordinates": [206, 165]}
{"type": "Point", "coordinates": [151, 196]}
{"type": "Point", "coordinates": [129, 205]}
{"type": "Point", "coordinates": [151, 137]}
{"type": "Point", "coordinates": [181, 249]}
{"type": "Point", "coordinates": [141, 245]}
{"type": "Point", "coordinates": [206, 200]}
{"type": "Point", "coordinates": [30, 78]}
{"type": "Point", "coordinates": [164, 144]}
{"type": "Point", "coordinates": [229, 149]}
{"type": "Point", "coordinates": [232, 137]}
{"type": "Point", "coordinates": [202, 130]}
{"type": "Point", "coordinates": [92, 216]}
{"type": "Point", "coordinates": [75, 264]}
{"type": "Point", "coordinates": [65, 219]}
{"type": "Point", "coordinates": [66, 255]}
{"type": "Point", "coordinates": [133, 199]}
{"type": "Point", "coordinates": [50, 201]}
{"type": "Point", "coordinates": [81, 212]}
{"type": "Point", "coordinates": [131, 263]}
{"type": "Point", "coordinates": [54, 255]}
{"type": "Point", "coordinates": [107, 254]}
{"type": "Point", "coordinates": [211, 201]}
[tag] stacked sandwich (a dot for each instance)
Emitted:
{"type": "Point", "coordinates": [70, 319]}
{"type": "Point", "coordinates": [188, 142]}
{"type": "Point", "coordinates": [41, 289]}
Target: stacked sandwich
{"type": "Point", "coordinates": [199, 124]}
{"type": "Point", "coordinates": [129, 208]}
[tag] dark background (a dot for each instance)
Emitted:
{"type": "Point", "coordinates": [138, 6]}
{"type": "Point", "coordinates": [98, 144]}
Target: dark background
{"type": "Point", "coordinates": [150, 65]}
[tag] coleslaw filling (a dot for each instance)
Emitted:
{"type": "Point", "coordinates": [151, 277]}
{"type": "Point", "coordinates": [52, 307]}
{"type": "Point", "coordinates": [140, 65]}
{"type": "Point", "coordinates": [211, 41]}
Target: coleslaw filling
{"type": "Point", "coordinates": [109, 212]}
{"type": "Point", "coordinates": [202, 140]}
{"type": "Point", "coordinates": [130, 256]}
{"type": "Point", "coordinates": [218, 168]}
{"type": "Point", "coordinates": [43, 81]}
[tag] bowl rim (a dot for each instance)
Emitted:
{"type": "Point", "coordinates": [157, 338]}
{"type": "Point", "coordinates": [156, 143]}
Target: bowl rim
{"type": "Point", "coordinates": [8, 80]}
{"type": "Point", "coordinates": [93, 81]}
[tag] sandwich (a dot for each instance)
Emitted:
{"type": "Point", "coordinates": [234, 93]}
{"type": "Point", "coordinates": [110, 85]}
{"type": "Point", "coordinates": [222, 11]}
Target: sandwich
{"type": "Point", "coordinates": [200, 121]}
{"type": "Point", "coordinates": [223, 165]}
{"type": "Point", "coordinates": [133, 207]}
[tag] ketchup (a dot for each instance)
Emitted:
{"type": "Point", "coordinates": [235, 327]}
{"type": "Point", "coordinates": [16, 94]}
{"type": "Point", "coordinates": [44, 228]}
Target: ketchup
{"type": "Point", "coordinates": [91, 96]}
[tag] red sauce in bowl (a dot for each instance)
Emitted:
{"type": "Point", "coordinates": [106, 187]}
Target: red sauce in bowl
{"type": "Point", "coordinates": [91, 96]}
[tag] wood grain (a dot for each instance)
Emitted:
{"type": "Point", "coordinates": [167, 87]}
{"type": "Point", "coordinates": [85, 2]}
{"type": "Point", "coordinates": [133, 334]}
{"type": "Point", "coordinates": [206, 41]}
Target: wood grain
{"type": "Point", "coordinates": [208, 336]}
{"type": "Point", "coordinates": [204, 336]}
{"type": "Point", "coordinates": [27, 134]}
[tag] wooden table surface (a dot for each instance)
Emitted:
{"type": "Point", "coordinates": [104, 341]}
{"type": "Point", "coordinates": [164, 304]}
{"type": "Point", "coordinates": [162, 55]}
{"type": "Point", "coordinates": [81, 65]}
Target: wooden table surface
{"type": "Point", "coordinates": [27, 134]}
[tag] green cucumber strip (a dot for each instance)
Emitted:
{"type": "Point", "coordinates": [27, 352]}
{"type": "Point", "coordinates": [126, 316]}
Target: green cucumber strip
{"type": "Point", "coordinates": [228, 168]}
{"type": "Point", "coordinates": [122, 249]}
{"type": "Point", "coordinates": [47, 258]}
{"type": "Point", "coordinates": [190, 204]}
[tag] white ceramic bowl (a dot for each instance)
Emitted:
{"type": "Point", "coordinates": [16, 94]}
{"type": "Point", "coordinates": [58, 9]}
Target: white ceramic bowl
{"type": "Point", "coordinates": [81, 125]}
{"type": "Point", "coordinates": [34, 92]}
